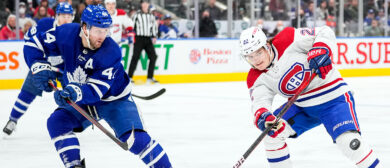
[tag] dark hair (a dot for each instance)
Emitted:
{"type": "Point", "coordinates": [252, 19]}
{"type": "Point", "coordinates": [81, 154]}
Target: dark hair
{"type": "Point", "coordinates": [269, 41]}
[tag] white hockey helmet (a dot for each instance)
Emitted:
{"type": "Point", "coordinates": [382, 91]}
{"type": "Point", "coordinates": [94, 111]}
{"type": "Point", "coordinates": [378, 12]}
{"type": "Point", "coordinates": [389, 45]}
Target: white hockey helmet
{"type": "Point", "coordinates": [251, 40]}
{"type": "Point", "coordinates": [109, 1]}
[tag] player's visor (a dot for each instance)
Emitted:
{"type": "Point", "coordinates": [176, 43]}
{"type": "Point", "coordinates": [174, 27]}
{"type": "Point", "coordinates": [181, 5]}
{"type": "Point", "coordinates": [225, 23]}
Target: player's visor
{"type": "Point", "coordinates": [97, 31]}
{"type": "Point", "coordinates": [261, 52]}
{"type": "Point", "coordinates": [65, 16]}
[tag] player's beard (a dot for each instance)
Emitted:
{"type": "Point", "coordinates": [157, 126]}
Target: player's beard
{"type": "Point", "coordinates": [95, 44]}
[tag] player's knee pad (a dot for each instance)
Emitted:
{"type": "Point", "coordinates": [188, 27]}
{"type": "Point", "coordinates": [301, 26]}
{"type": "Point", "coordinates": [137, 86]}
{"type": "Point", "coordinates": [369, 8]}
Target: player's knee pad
{"type": "Point", "coordinates": [355, 149]}
{"type": "Point", "coordinates": [61, 122]}
{"type": "Point", "coordinates": [149, 150]}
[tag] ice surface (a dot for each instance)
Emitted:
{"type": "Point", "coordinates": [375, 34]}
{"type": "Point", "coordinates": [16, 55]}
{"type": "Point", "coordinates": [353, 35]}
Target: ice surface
{"type": "Point", "coordinates": [204, 125]}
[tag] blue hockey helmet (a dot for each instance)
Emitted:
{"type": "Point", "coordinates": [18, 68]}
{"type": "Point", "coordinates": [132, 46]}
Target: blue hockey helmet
{"type": "Point", "coordinates": [64, 7]}
{"type": "Point", "coordinates": [96, 15]}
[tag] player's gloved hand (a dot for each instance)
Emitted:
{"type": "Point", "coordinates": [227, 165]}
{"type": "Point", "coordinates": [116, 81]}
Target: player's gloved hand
{"type": "Point", "coordinates": [42, 73]}
{"type": "Point", "coordinates": [264, 119]}
{"type": "Point", "coordinates": [131, 37]}
{"type": "Point", "coordinates": [130, 34]}
{"type": "Point", "coordinates": [320, 61]}
{"type": "Point", "coordinates": [72, 92]}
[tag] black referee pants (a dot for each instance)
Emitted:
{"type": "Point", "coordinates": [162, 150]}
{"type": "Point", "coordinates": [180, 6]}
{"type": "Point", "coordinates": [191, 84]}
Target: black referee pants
{"type": "Point", "coordinates": [140, 44]}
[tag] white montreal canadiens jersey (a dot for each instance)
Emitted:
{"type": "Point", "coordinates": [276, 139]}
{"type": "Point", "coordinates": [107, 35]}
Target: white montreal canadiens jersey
{"type": "Point", "coordinates": [290, 68]}
{"type": "Point", "coordinates": [120, 21]}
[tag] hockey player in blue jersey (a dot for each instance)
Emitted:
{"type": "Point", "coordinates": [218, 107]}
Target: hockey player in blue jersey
{"type": "Point", "coordinates": [94, 78]}
{"type": "Point", "coordinates": [29, 91]}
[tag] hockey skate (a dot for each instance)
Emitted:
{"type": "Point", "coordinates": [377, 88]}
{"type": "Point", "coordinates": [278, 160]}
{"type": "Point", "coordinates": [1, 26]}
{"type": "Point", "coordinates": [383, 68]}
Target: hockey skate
{"type": "Point", "coordinates": [151, 81]}
{"type": "Point", "coordinates": [9, 127]}
{"type": "Point", "coordinates": [82, 164]}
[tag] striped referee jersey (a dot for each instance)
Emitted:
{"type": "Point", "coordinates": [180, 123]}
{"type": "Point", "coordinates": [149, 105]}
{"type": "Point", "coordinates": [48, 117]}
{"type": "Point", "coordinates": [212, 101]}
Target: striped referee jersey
{"type": "Point", "coordinates": [145, 24]}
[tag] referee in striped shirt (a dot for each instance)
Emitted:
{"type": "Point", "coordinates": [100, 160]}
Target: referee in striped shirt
{"type": "Point", "coordinates": [145, 26]}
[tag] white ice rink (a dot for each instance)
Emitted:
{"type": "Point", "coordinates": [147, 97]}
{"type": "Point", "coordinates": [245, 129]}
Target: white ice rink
{"type": "Point", "coordinates": [204, 125]}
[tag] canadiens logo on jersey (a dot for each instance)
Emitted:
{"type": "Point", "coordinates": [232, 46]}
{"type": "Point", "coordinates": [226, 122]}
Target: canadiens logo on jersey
{"type": "Point", "coordinates": [293, 78]}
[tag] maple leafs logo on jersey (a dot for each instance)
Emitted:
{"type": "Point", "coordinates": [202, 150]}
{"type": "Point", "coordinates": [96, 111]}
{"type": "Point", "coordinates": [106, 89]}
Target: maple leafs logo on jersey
{"type": "Point", "coordinates": [78, 76]}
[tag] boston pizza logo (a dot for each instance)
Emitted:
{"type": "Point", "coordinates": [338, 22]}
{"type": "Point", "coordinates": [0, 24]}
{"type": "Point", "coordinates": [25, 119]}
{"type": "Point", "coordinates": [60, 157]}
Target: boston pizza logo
{"type": "Point", "coordinates": [195, 56]}
{"type": "Point", "coordinates": [293, 78]}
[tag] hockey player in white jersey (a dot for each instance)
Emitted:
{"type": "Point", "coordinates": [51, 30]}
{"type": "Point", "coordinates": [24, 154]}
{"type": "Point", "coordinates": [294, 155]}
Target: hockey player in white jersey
{"type": "Point", "coordinates": [279, 66]}
{"type": "Point", "coordinates": [120, 22]}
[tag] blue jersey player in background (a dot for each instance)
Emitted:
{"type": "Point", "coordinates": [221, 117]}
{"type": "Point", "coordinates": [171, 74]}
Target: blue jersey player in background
{"type": "Point", "coordinates": [94, 78]}
{"type": "Point", "coordinates": [29, 91]}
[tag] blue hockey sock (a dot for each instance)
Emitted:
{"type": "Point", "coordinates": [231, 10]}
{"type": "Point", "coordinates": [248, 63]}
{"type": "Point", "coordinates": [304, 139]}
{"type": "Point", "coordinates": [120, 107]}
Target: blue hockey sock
{"type": "Point", "coordinates": [60, 126]}
{"type": "Point", "coordinates": [68, 148]}
{"type": "Point", "coordinates": [149, 150]}
{"type": "Point", "coordinates": [21, 105]}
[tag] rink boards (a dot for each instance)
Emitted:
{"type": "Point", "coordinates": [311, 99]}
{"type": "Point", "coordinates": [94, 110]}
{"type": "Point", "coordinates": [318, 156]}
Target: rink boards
{"type": "Point", "coordinates": [212, 60]}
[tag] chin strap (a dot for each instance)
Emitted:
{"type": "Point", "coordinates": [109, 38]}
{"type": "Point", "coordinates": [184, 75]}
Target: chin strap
{"type": "Point", "coordinates": [87, 38]}
{"type": "Point", "coordinates": [270, 52]}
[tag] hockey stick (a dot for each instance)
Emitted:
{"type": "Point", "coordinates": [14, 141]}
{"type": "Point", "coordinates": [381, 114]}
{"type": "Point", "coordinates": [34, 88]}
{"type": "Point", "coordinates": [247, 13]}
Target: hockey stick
{"type": "Point", "coordinates": [152, 96]}
{"type": "Point", "coordinates": [278, 117]}
{"type": "Point", "coordinates": [123, 145]}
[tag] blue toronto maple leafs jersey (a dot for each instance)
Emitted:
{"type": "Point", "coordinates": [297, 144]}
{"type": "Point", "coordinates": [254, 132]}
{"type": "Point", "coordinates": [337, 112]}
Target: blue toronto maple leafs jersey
{"type": "Point", "coordinates": [44, 25]}
{"type": "Point", "coordinates": [99, 72]}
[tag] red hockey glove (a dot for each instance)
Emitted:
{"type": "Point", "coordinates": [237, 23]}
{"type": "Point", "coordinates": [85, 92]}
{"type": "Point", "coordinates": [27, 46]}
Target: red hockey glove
{"type": "Point", "coordinates": [320, 61]}
{"type": "Point", "coordinates": [264, 119]}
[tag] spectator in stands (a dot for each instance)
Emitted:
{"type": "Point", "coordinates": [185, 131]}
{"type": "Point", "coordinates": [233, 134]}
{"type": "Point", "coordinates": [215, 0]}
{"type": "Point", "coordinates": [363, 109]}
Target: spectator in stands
{"type": "Point", "coordinates": [132, 11]}
{"type": "Point", "coordinates": [51, 4]}
{"type": "Point", "coordinates": [294, 22]}
{"type": "Point", "coordinates": [381, 17]}
{"type": "Point", "coordinates": [48, 10]}
{"type": "Point", "coordinates": [88, 2]}
{"type": "Point", "coordinates": [278, 9]}
{"type": "Point", "coordinates": [374, 29]}
{"type": "Point", "coordinates": [79, 10]}
{"type": "Point", "coordinates": [24, 11]}
{"type": "Point", "coordinates": [182, 9]}
{"type": "Point", "coordinates": [156, 14]}
{"type": "Point", "coordinates": [368, 5]}
{"type": "Point", "coordinates": [332, 12]}
{"type": "Point", "coordinates": [42, 13]}
{"type": "Point", "coordinates": [3, 13]}
{"type": "Point", "coordinates": [352, 11]}
{"type": "Point", "coordinates": [332, 9]}
{"type": "Point", "coordinates": [322, 10]}
{"type": "Point", "coordinates": [242, 14]}
{"type": "Point", "coordinates": [10, 6]}
{"type": "Point", "coordinates": [8, 31]}
{"type": "Point", "coordinates": [166, 30]}
{"type": "Point", "coordinates": [27, 25]}
{"type": "Point", "coordinates": [127, 5]}
{"type": "Point", "coordinates": [31, 5]}
{"type": "Point", "coordinates": [370, 16]}
{"type": "Point", "coordinates": [23, 18]}
{"type": "Point", "coordinates": [207, 26]}
{"type": "Point", "coordinates": [214, 12]}
{"type": "Point", "coordinates": [279, 27]}
{"type": "Point", "coordinates": [331, 22]}
{"type": "Point", "coordinates": [97, 2]}
{"type": "Point", "coordinates": [309, 11]}
{"type": "Point", "coordinates": [260, 24]}
{"type": "Point", "coordinates": [351, 16]}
